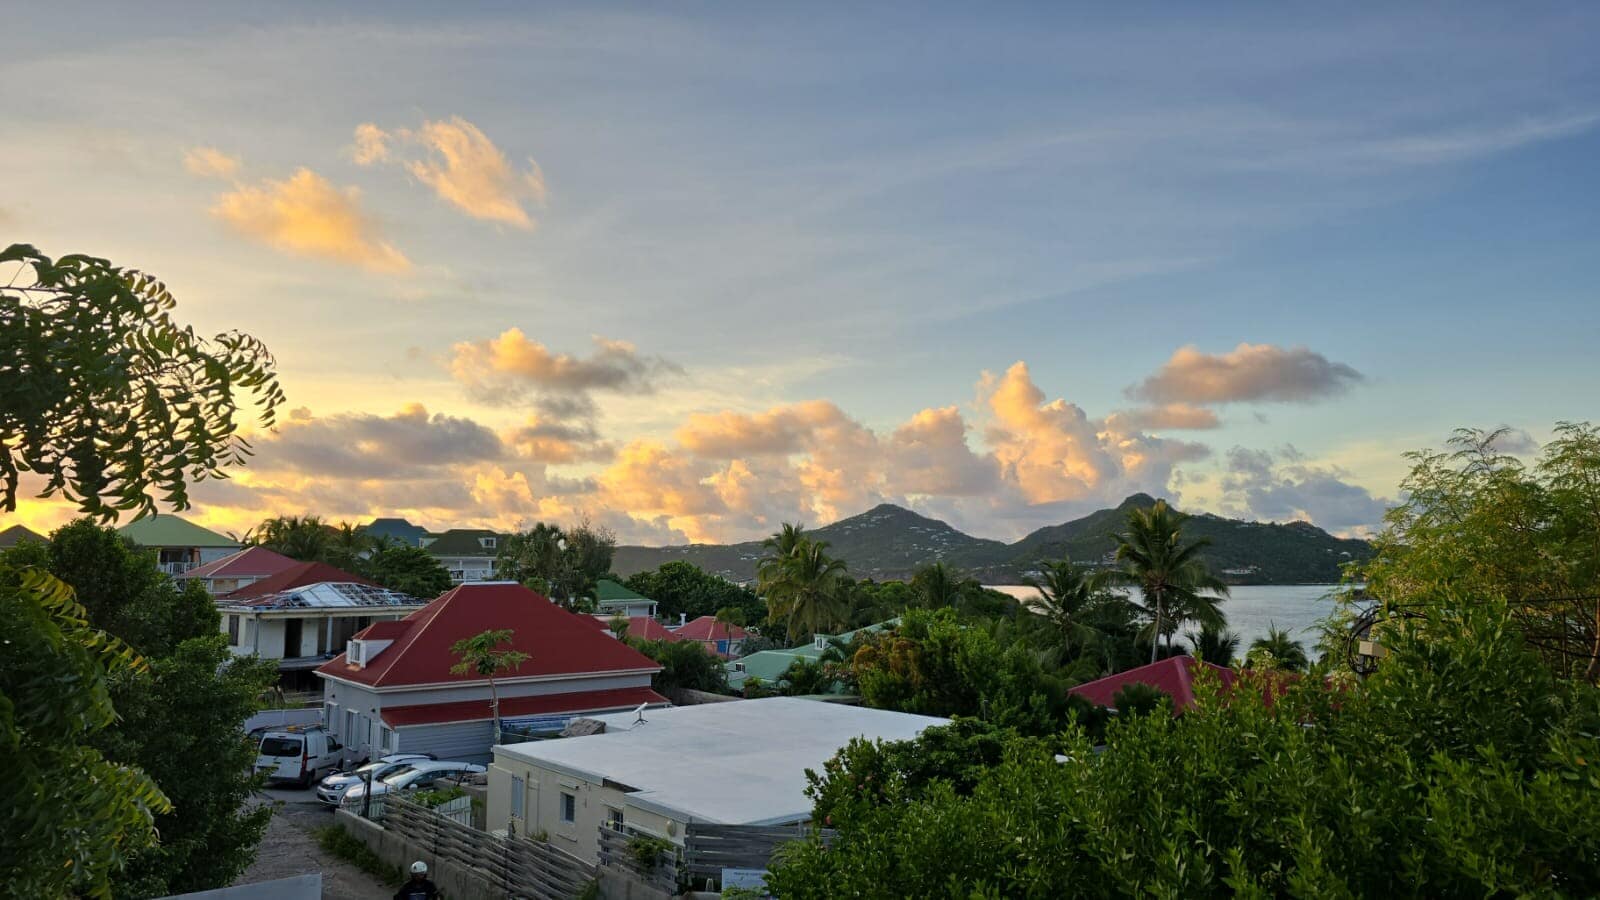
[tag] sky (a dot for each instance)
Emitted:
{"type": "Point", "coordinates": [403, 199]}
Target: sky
{"type": "Point", "coordinates": [690, 271]}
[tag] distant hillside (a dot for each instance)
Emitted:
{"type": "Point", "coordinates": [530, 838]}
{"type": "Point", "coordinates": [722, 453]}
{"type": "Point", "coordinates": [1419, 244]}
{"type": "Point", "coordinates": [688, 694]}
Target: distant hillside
{"type": "Point", "coordinates": [889, 541]}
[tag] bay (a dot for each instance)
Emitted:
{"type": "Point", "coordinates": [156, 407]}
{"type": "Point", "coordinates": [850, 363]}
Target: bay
{"type": "Point", "coordinates": [1253, 608]}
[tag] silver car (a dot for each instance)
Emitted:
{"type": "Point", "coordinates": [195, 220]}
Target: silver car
{"type": "Point", "coordinates": [333, 788]}
{"type": "Point", "coordinates": [413, 776]}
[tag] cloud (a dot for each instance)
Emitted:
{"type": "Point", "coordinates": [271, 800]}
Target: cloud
{"type": "Point", "coordinates": [510, 368]}
{"type": "Point", "coordinates": [209, 162]}
{"type": "Point", "coordinates": [1514, 441]}
{"type": "Point", "coordinates": [464, 168]}
{"type": "Point", "coordinates": [780, 430]}
{"type": "Point", "coordinates": [559, 442]}
{"type": "Point", "coordinates": [371, 145]}
{"type": "Point", "coordinates": [407, 444]}
{"type": "Point", "coordinates": [1170, 416]}
{"type": "Point", "coordinates": [307, 216]}
{"type": "Point", "coordinates": [1249, 373]}
{"type": "Point", "coordinates": [1282, 487]}
{"type": "Point", "coordinates": [929, 456]}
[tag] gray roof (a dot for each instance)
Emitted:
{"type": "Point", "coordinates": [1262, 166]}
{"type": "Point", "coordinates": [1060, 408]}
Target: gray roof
{"type": "Point", "coordinates": [737, 763]}
{"type": "Point", "coordinates": [464, 542]}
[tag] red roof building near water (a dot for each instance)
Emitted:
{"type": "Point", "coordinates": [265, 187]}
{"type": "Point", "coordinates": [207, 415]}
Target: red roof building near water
{"type": "Point", "coordinates": [298, 575]}
{"type": "Point", "coordinates": [707, 628]}
{"type": "Point", "coordinates": [558, 643]}
{"type": "Point", "coordinates": [642, 627]}
{"type": "Point", "coordinates": [1173, 676]}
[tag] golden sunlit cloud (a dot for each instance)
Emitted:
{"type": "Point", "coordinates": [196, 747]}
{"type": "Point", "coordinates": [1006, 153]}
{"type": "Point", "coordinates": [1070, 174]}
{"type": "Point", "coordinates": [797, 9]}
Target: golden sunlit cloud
{"type": "Point", "coordinates": [1248, 373]}
{"type": "Point", "coordinates": [209, 162]}
{"type": "Point", "coordinates": [463, 167]}
{"type": "Point", "coordinates": [307, 216]}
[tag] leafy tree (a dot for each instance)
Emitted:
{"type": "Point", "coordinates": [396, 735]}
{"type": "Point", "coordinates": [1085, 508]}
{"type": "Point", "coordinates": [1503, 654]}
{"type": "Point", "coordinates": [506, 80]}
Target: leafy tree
{"type": "Point", "coordinates": [872, 602]}
{"type": "Point", "coordinates": [683, 588]}
{"type": "Point", "coordinates": [1215, 645]}
{"type": "Point", "coordinates": [778, 547]}
{"type": "Point", "coordinates": [684, 665]}
{"type": "Point", "coordinates": [188, 703]}
{"type": "Point", "coordinates": [189, 706]}
{"type": "Point", "coordinates": [1278, 650]}
{"type": "Point", "coordinates": [805, 678]}
{"type": "Point", "coordinates": [564, 564]}
{"type": "Point", "coordinates": [805, 589]}
{"type": "Point", "coordinates": [348, 547]}
{"type": "Point", "coordinates": [1461, 768]}
{"type": "Point", "coordinates": [69, 817]}
{"type": "Point", "coordinates": [481, 655]}
{"type": "Point", "coordinates": [590, 549]}
{"type": "Point", "coordinates": [938, 586]}
{"type": "Point", "coordinates": [1139, 699]}
{"type": "Point", "coordinates": [1174, 579]}
{"type": "Point", "coordinates": [407, 569]}
{"type": "Point", "coordinates": [1476, 523]}
{"type": "Point", "coordinates": [618, 626]}
{"type": "Point", "coordinates": [106, 396]}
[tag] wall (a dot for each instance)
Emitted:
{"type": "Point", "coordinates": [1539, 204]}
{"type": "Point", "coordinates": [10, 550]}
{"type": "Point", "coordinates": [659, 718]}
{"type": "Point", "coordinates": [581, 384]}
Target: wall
{"type": "Point", "coordinates": [466, 741]}
{"type": "Point", "coordinates": [542, 807]}
{"type": "Point", "coordinates": [452, 881]}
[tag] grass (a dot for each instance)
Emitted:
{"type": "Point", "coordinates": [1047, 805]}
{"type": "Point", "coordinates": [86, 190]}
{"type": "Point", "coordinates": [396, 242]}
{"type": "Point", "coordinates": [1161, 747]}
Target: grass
{"type": "Point", "coordinates": [338, 842]}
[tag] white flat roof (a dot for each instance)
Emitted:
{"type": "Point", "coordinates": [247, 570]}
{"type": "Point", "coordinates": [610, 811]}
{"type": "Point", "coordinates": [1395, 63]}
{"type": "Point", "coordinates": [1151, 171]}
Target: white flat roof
{"type": "Point", "coordinates": [738, 763]}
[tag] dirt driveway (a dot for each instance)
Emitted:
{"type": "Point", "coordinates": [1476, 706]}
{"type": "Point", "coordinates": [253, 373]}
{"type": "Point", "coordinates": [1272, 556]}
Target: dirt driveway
{"type": "Point", "coordinates": [290, 848]}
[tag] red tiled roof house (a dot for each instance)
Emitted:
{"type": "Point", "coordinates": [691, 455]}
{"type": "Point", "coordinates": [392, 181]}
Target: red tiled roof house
{"type": "Point", "coordinates": [392, 689]}
{"type": "Point", "coordinates": [237, 570]}
{"type": "Point", "coordinates": [716, 637]}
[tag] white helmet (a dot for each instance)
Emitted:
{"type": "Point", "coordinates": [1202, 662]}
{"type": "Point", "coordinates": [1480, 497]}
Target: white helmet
{"type": "Point", "coordinates": [419, 868]}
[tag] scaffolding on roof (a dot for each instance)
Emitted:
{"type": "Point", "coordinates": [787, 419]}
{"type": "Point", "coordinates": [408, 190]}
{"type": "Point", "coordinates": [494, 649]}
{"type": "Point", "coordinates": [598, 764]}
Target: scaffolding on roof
{"type": "Point", "coordinates": [331, 595]}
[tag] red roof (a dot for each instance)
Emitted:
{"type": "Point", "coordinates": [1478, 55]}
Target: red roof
{"type": "Point", "coordinates": [1173, 676]}
{"type": "Point", "coordinates": [299, 575]}
{"type": "Point", "coordinates": [707, 628]}
{"type": "Point", "coordinates": [557, 642]}
{"type": "Point", "coordinates": [510, 707]}
{"type": "Point", "coordinates": [251, 562]}
{"type": "Point", "coordinates": [641, 627]}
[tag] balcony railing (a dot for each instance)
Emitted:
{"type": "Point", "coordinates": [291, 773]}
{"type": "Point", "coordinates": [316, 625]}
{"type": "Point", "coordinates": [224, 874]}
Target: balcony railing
{"type": "Point", "coordinates": [178, 568]}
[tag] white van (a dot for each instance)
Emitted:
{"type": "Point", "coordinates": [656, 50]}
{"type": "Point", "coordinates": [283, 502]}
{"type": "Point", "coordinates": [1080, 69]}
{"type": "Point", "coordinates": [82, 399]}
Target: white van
{"type": "Point", "coordinates": [300, 754]}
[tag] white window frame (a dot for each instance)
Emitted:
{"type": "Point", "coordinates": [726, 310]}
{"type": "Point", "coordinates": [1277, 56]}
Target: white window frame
{"type": "Point", "coordinates": [615, 820]}
{"type": "Point", "coordinates": [519, 791]}
{"type": "Point", "coordinates": [569, 802]}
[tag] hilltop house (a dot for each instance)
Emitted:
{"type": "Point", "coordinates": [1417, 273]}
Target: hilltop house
{"type": "Point", "coordinates": [237, 570]}
{"type": "Point", "coordinates": [467, 553]}
{"type": "Point", "coordinates": [392, 689]}
{"type": "Point", "coordinates": [303, 615]}
{"type": "Point", "coordinates": [398, 530]}
{"type": "Point", "coordinates": [717, 638]}
{"type": "Point", "coordinates": [613, 599]}
{"type": "Point", "coordinates": [16, 534]}
{"type": "Point", "coordinates": [769, 665]}
{"type": "Point", "coordinates": [740, 763]}
{"type": "Point", "coordinates": [180, 545]}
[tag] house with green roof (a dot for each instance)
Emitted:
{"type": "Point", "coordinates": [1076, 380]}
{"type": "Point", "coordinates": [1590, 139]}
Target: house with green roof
{"type": "Point", "coordinates": [468, 554]}
{"type": "Point", "coordinates": [180, 545]}
{"type": "Point", "coordinates": [395, 529]}
{"type": "Point", "coordinates": [769, 665]}
{"type": "Point", "coordinates": [613, 599]}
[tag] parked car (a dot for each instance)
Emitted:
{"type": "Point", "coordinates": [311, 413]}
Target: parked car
{"type": "Point", "coordinates": [298, 753]}
{"type": "Point", "coordinates": [332, 789]}
{"type": "Point", "coordinates": [415, 776]}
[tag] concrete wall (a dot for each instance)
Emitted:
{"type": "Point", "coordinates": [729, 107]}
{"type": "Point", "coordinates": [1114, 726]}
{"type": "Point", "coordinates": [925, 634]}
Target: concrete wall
{"type": "Point", "coordinates": [295, 887]}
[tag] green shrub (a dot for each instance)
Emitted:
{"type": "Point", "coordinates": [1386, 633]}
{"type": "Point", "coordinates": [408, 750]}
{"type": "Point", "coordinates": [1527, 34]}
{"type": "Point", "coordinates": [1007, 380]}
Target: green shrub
{"type": "Point", "coordinates": [338, 842]}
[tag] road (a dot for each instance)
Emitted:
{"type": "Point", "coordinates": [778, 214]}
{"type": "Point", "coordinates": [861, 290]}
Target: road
{"type": "Point", "coordinates": [290, 848]}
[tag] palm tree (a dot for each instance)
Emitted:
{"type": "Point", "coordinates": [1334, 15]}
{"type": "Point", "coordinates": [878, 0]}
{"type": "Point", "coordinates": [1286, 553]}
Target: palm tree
{"type": "Point", "coordinates": [1170, 572]}
{"type": "Point", "coordinates": [1278, 649]}
{"type": "Point", "coordinates": [348, 545]}
{"type": "Point", "coordinates": [1214, 645]}
{"type": "Point", "coordinates": [729, 617]}
{"type": "Point", "coordinates": [1064, 590]}
{"type": "Point", "coordinates": [805, 589]}
{"type": "Point", "coordinates": [938, 586]}
{"type": "Point", "coordinates": [479, 655]}
{"type": "Point", "coordinates": [780, 546]}
{"type": "Point", "coordinates": [304, 538]}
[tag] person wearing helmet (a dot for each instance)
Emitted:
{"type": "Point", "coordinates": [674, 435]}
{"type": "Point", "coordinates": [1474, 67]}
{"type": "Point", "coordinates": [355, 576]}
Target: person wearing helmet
{"type": "Point", "coordinates": [419, 887]}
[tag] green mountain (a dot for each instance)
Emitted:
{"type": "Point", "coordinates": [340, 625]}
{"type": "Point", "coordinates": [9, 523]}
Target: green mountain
{"type": "Point", "coordinates": [889, 541]}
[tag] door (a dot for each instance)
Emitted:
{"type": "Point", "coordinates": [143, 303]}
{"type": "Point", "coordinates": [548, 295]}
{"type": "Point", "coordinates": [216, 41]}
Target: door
{"type": "Point", "coordinates": [291, 638]}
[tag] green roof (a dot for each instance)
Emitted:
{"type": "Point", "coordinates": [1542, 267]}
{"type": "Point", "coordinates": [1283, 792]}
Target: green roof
{"type": "Point", "coordinates": [164, 530]}
{"type": "Point", "coordinates": [769, 665]}
{"type": "Point", "coordinates": [464, 542]}
{"type": "Point", "coordinates": [607, 590]}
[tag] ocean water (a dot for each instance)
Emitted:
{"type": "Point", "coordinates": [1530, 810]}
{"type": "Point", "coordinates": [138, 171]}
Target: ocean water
{"type": "Point", "coordinates": [1253, 608]}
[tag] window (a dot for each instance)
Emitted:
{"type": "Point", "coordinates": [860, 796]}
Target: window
{"type": "Point", "coordinates": [518, 789]}
{"type": "Point", "coordinates": [569, 808]}
{"type": "Point", "coordinates": [350, 725]}
{"type": "Point", "coordinates": [333, 745]}
{"type": "Point", "coordinates": [488, 543]}
{"type": "Point", "coordinates": [385, 738]}
{"type": "Point", "coordinates": [331, 716]}
{"type": "Point", "coordinates": [233, 630]}
{"type": "Point", "coordinates": [614, 820]}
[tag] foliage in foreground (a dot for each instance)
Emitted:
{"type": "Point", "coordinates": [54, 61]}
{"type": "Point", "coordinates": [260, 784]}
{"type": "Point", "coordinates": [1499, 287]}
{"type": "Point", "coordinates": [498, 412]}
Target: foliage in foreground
{"type": "Point", "coordinates": [334, 840]}
{"type": "Point", "coordinates": [69, 817]}
{"type": "Point", "coordinates": [1462, 767]}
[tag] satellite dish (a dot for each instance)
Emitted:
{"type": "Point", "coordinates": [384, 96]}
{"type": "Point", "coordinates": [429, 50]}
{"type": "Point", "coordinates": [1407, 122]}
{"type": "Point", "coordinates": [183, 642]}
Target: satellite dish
{"type": "Point", "coordinates": [639, 718]}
